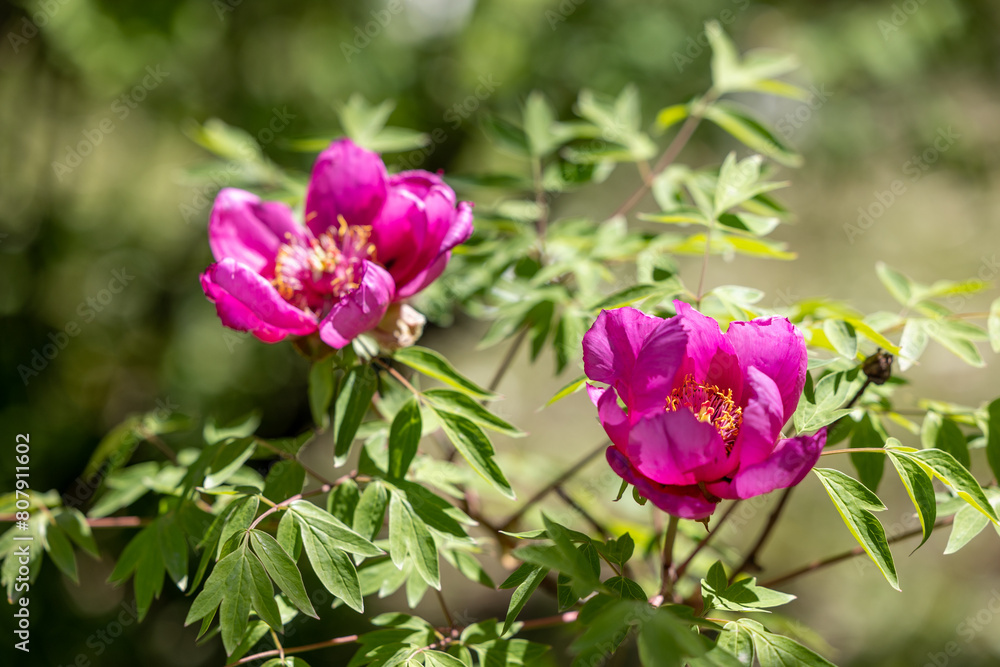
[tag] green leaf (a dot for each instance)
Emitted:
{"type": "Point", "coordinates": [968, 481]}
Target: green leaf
{"type": "Point", "coordinates": [777, 651]}
{"type": "Point", "coordinates": [458, 403]}
{"type": "Point", "coordinates": [993, 325]}
{"type": "Point", "coordinates": [752, 132]}
{"type": "Point", "coordinates": [468, 566]}
{"type": "Point", "coordinates": [868, 433]}
{"type": "Point", "coordinates": [912, 343]}
{"type": "Point", "coordinates": [824, 405]}
{"type": "Point", "coordinates": [843, 338]}
{"type": "Point", "coordinates": [214, 589]}
{"type": "Point", "coordinates": [432, 364]}
{"type": "Point", "coordinates": [743, 595]}
{"type": "Point", "coordinates": [522, 593]}
{"type": "Point", "coordinates": [174, 549]}
{"type": "Point", "coordinates": [261, 593]}
{"type": "Point", "coordinates": [342, 501]}
{"type": "Point", "coordinates": [670, 116]}
{"type": "Point", "coordinates": [856, 504]}
{"type": "Point", "coordinates": [370, 512]}
{"type": "Point", "coordinates": [920, 489]}
{"type": "Point", "coordinates": [571, 388]}
{"type": "Point", "coordinates": [61, 551]}
{"type": "Point", "coordinates": [538, 121]}
{"type": "Point", "coordinates": [968, 523]}
{"type": "Point", "coordinates": [327, 529]}
{"type": "Point", "coordinates": [626, 588]}
{"type": "Point", "coordinates": [993, 437]}
{"type": "Point", "coordinates": [229, 459]}
{"type": "Point", "coordinates": [944, 466]}
{"type": "Point", "coordinates": [664, 640]}
{"type": "Point", "coordinates": [951, 439]}
{"type": "Point", "coordinates": [288, 535]}
{"type": "Point", "coordinates": [956, 339]}
{"type": "Point", "coordinates": [505, 135]}
{"type": "Point", "coordinates": [736, 640]}
{"type": "Point", "coordinates": [335, 570]}
{"type": "Point", "coordinates": [352, 403]}
{"type": "Point", "coordinates": [419, 543]}
{"type": "Point", "coordinates": [282, 569]}
{"type": "Point", "coordinates": [75, 524]}
{"type": "Point", "coordinates": [238, 520]}
{"type": "Point", "coordinates": [475, 448]}
{"type": "Point", "coordinates": [900, 287]}
{"type": "Point", "coordinates": [404, 436]}
{"type": "Point", "coordinates": [284, 480]}
{"type": "Point", "coordinates": [321, 393]}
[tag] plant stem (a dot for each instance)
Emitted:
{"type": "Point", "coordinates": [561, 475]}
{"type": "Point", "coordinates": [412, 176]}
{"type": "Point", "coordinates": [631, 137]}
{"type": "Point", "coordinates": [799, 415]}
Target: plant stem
{"type": "Point", "coordinates": [751, 557]}
{"type": "Point", "coordinates": [850, 553]}
{"type": "Point", "coordinates": [670, 154]}
{"type": "Point", "coordinates": [336, 641]}
{"type": "Point", "coordinates": [705, 540]}
{"type": "Point", "coordinates": [575, 468]}
{"type": "Point", "coordinates": [668, 573]}
{"type": "Point", "coordinates": [507, 360]}
{"type": "Point", "coordinates": [858, 450]}
{"type": "Point", "coordinates": [444, 607]}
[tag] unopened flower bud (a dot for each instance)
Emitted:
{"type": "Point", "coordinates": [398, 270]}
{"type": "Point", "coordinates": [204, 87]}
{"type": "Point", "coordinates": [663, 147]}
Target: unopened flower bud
{"type": "Point", "coordinates": [878, 367]}
{"type": "Point", "coordinates": [402, 326]}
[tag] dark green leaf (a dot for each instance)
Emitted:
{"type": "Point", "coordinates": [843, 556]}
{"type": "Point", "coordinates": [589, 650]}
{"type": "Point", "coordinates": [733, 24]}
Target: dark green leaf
{"type": "Point", "coordinates": [475, 448]}
{"type": "Point", "coordinates": [370, 512]}
{"type": "Point", "coordinates": [321, 393]}
{"type": "Point", "coordinates": [228, 460]}
{"type": "Point", "coordinates": [993, 437]}
{"type": "Point", "coordinates": [404, 436]}
{"type": "Point", "coordinates": [744, 595]}
{"type": "Point", "coordinates": [855, 503]}
{"type": "Point", "coordinates": [352, 403]}
{"type": "Point", "coordinates": [944, 466]}
{"type": "Point", "coordinates": [626, 588]}
{"type": "Point", "coordinates": [458, 403]}
{"type": "Point", "coordinates": [329, 530]}
{"type": "Point", "coordinates": [284, 480]}
{"type": "Point", "coordinates": [522, 593]}
{"type": "Point", "coordinates": [75, 524]}
{"type": "Point", "coordinates": [868, 433]}
{"type": "Point", "coordinates": [778, 651]}
{"type": "Point", "coordinates": [343, 501]}
{"type": "Point", "coordinates": [920, 489]}
{"type": "Point", "coordinates": [432, 364]}
{"type": "Point", "coordinates": [335, 570]}
{"type": "Point", "coordinates": [61, 551]}
{"type": "Point", "coordinates": [282, 569]}
{"type": "Point", "coordinates": [420, 545]}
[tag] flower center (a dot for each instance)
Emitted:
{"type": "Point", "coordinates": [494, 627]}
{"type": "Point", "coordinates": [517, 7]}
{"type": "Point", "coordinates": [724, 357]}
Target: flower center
{"type": "Point", "coordinates": [310, 274]}
{"type": "Point", "coordinates": [709, 404]}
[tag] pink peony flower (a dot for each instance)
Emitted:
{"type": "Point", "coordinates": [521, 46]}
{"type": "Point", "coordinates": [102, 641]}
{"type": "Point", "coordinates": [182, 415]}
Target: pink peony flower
{"type": "Point", "coordinates": [370, 240]}
{"type": "Point", "coordinates": [703, 410]}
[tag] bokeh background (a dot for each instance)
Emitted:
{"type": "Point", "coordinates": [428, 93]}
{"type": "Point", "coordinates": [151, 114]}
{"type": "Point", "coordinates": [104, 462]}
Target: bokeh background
{"type": "Point", "coordinates": [132, 79]}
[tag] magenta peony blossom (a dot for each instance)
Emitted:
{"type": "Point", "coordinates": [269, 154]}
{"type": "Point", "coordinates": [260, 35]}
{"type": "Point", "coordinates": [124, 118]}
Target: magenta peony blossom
{"type": "Point", "coordinates": [370, 240]}
{"type": "Point", "coordinates": [703, 410]}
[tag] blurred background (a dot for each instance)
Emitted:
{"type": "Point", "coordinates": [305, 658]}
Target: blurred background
{"type": "Point", "coordinates": [103, 233]}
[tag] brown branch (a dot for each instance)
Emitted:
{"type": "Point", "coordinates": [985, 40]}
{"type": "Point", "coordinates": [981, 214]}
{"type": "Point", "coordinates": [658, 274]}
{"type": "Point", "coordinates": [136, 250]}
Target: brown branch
{"type": "Point", "coordinates": [102, 522]}
{"type": "Point", "coordinates": [575, 468]}
{"type": "Point", "coordinates": [705, 540]}
{"type": "Point", "coordinates": [751, 557]}
{"type": "Point", "coordinates": [856, 551]}
{"type": "Point", "coordinates": [336, 641]}
{"type": "Point", "coordinates": [507, 360]}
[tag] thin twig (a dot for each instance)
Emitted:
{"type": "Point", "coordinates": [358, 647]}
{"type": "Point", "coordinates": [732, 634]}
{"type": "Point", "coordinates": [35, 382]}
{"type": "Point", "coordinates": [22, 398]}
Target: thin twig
{"type": "Point", "coordinates": [153, 439]}
{"type": "Point", "coordinates": [705, 540]}
{"type": "Point", "coordinates": [507, 360]}
{"type": "Point", "coordinates": [669, 155]}
{"type": "Point", "coordinates": [751, 557]}
{"type": "Point", "coordinates": [102, 522]}
{"type": "Point", "coordinates": [575, 468]}
{"type": "Point", "coordinates": [850, 553]}
{"type": "Point", "coordinates": [595, 524]}
{"type": "Point", "coordinates": [336, 641]}
{"type": "Point", "coordinates": [668, 573]}
{"type": "Point", "coordinates": [444, 607]}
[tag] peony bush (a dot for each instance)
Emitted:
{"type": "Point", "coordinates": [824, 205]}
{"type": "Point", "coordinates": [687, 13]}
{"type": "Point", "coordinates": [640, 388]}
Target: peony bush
{"type": "Point", "coordinates": [707, 399]}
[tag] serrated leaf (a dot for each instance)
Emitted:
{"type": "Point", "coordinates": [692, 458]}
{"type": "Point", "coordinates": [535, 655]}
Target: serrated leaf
{"type": "Point", "coordinates": [353, 401]}
{"type": "Point", "coordinates": [432, 364]}
{"type": "Point", "coordinates": [855, 504]}
{"type": "Point", "coordinates": [404, 436]}
{"type": "Point", "coordinates": [280, 566]}
{"type": "Point", "coordinates": [475, 448]}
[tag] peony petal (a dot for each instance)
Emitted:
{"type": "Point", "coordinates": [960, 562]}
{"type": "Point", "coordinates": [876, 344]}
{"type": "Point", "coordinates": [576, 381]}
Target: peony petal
{"type": "Point", "coordinates": [775, 346]}
{"type": "Point", "coordinates": [424, 278]}
{"type": "Point", "coordinates": [360, 310]}
{"type": "Point", "coordinates": [612, 417]}
{"type": "Point", "coordinates": [246, 301]}
{"type": "Point", "coordinates": [250, 231]}
{"type": "Point", "coordinates": [673, 447]}
{"type": "Point", "coordinates": [662, 354]}
{"type": "Point", "coordinates": [762, 420]}
{"type": "Point", "coordinates": [685, 502]}
{"type": "Point", "coordinates": [348, 181]}
{"type": "Point", "coordinates": [711, 358]}
{"type": "Point", "coordinates": [612, 344]}
{"type": "Point", "coordinates": [790, 462]}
